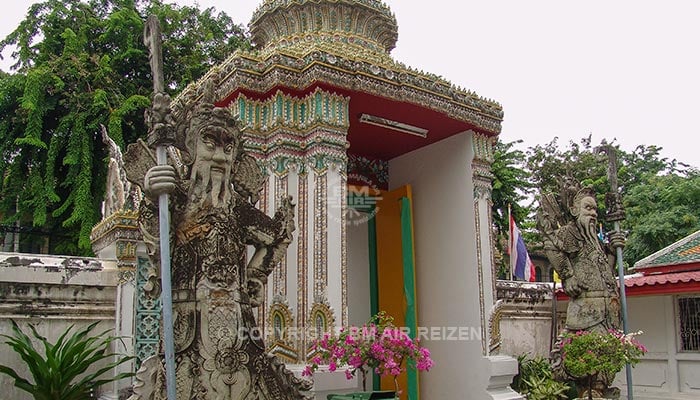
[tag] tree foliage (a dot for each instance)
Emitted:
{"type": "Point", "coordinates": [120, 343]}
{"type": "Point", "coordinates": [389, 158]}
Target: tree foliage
{"type": "Point", "coordinates": [79, 65]}
{"type": "Point", "coordinates": [511, 188]}
{"type": "Point", "coordinates": [661, 211]}
{"type": "Point", "coordinates": [510, 185]}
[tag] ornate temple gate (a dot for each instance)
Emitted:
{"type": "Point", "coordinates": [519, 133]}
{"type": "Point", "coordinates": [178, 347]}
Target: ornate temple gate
{"type": "Point", "coordinates": [321, 100]}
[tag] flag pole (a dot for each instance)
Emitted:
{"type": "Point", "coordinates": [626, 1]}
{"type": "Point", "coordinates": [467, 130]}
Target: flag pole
{"type": "Point", "coordinates": [510, 244]}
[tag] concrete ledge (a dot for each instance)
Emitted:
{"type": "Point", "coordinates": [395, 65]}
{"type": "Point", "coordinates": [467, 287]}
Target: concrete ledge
{"type": "Point", "coordinates": [36, 268]}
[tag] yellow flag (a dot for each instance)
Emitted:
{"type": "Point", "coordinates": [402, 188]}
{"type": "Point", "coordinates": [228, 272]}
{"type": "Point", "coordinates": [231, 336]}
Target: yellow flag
{"type": "Point", "coordinates": [556, 278]}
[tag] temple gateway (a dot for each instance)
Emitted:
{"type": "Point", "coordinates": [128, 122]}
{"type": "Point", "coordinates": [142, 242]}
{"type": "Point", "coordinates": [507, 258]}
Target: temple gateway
{"type": "Point", "coordinates": [389, 169]}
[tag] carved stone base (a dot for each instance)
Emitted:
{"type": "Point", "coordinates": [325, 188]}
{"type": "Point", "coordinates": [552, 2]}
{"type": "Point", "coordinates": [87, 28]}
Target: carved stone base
{"type": "Point", "coordinates": [502, 370]}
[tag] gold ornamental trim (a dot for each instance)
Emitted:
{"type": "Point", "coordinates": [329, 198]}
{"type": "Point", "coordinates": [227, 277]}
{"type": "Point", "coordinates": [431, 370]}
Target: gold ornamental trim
{"type": "Point", "coordinates": [368, 20]}
{"type": "Point", "coordinates": [388, 79]}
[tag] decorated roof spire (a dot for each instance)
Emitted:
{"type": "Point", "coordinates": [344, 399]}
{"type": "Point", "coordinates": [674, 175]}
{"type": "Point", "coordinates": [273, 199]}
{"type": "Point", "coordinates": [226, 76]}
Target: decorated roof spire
{"type": "Point", "coordinates": [283, 23]}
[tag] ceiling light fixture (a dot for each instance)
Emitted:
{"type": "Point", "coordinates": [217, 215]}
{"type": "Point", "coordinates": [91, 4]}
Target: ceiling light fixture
{"type": "Point", "coordinates": [394, 125]}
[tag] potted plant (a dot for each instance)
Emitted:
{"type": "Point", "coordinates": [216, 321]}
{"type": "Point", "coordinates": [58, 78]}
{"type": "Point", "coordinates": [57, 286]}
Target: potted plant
{"type": "Point", "coordinates": [595, 357]}
{"type": "Point", "coordinates": [377, 346]}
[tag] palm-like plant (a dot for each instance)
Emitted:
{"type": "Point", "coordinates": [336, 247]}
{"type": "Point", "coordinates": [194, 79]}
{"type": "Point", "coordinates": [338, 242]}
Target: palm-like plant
{"type": "Point", "coordinates": [62, 372]}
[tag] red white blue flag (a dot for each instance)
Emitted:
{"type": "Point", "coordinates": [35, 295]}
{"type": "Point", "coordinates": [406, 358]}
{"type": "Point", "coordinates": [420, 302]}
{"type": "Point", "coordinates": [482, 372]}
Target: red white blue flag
{"type": "Point", "coordinates": [520, 262]}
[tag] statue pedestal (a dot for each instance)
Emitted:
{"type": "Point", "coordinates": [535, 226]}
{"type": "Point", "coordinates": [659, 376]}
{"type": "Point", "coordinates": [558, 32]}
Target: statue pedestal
{"type": "Point", "coordinates": [502, 370]}
{"type": "Point", "coordinates": [118, 238]}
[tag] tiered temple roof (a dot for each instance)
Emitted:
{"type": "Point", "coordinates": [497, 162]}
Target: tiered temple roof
{"type": "Point", "coordinates": [344, 46]}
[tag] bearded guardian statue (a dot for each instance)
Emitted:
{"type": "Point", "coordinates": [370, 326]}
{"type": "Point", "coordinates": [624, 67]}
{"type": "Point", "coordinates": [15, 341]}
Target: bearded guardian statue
{"type": "Point", "coordinates": [213, 184]}
{"type": "Point", "coordinates": [584, 263]}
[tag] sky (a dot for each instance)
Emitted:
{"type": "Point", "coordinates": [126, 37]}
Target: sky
{"type": "Point", "coordinates": [627, 70]}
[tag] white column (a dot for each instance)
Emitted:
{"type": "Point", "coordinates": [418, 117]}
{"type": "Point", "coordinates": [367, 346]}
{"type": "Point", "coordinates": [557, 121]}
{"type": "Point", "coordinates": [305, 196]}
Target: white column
{"type": "Point", "coordinates": [118, 238]}
{"type": "Point", "coordinates": [335, 238]}
{"type": "Point", "coordinates": [449, 293]}
{"type": "Point", "coordinates": [482, 150]}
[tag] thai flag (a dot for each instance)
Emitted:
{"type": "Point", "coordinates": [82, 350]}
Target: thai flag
{"type": "Point", "coordinates": [520, 261]}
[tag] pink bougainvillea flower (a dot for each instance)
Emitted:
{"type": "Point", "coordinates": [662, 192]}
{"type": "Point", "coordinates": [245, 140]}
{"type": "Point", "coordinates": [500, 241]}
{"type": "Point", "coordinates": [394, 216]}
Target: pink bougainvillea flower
{"type": "Point", "coordinates": [377, 346]}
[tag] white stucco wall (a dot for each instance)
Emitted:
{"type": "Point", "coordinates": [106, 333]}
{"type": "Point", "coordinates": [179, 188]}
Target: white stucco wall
{"type": "Point", "coordinates": [525, 331]}
{"type": "Point", "coordinates": [664, 372]}
{"type": "Point", "coordinates": [358, 274]}
{"type": "Point", "coordinates": [446, 266]}
{"type": "Point", "coordinates": [52, 293]}
{"type": "Point", "coordinates": [523, 316]}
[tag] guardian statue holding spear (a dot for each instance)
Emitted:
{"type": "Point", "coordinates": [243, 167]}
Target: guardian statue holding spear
{"type": "Point", "coordinates": [211, 186]}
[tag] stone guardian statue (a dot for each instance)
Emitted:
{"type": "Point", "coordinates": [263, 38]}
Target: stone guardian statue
{"type": "Point", "coordinates": [216, 282]}
{"type": "Point", "coordinates": [569, 226]}
{"type": "Point", "coordinates": [585, 264]}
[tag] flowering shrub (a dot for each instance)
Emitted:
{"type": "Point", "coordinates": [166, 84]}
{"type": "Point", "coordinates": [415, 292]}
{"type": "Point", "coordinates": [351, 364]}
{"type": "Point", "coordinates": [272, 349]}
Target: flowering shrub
{"type": "Point", "coordinates": [590, 354]}
{"type": "Point", "coordinates": [377, 346]}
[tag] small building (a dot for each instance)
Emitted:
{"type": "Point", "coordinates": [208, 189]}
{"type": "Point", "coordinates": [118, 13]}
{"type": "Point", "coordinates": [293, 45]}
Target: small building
{"type": "Point", "coordinates": [663, 301]}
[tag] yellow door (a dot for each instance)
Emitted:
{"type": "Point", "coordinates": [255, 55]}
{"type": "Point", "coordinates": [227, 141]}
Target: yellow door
{"type": "Point", "coordinates": [395, 273]}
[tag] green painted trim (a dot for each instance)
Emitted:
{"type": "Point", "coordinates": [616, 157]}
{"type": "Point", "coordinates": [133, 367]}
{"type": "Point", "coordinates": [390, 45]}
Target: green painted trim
{"type": "Point", "coordinates": [286, 111]}
{"type": "Point", "coordinates": [373, 282]}
{"type": "Point", "coordinates": [409, 283]}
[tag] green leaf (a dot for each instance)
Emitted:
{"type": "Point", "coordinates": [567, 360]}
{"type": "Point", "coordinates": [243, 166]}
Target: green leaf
{"type": "Point", "coordinates": [73, 354]}
{"type": "Point", "coordinates": [78, 65]}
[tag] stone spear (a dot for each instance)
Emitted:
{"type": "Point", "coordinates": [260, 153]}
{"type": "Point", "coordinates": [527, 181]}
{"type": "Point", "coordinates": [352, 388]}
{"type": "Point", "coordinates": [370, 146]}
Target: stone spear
{"type": "Point", "coordinates": [161, 133]}
{"type": "Point", "coordinates": [616, 213]}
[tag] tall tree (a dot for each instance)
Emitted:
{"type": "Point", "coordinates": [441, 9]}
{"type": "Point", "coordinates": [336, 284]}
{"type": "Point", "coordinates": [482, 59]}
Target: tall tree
{"type": "Point", "coordinates": [548, 164]}
{"type": "Point", "coordinates": [510, 185]}
{"type": "Point", "coordinates": [511, 188]}
{"type": "Point", "coordinates": [79, 65]}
